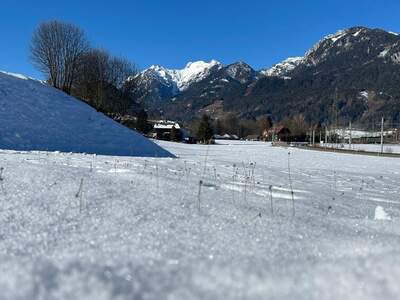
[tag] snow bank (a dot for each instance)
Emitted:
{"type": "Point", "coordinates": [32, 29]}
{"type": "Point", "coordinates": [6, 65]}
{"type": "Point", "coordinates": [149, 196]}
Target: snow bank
{"type": "Point", "coordinates": [34, 116]}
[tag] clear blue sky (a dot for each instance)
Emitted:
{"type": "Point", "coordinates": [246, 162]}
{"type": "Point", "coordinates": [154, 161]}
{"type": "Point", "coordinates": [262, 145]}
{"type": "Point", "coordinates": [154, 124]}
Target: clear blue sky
{"type": "Point", "coordinates": [173, 32]}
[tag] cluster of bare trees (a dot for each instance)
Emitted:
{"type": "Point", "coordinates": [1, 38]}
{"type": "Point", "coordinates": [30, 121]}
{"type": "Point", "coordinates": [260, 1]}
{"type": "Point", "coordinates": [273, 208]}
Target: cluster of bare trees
{"type": "Point", "coordinates": [297, 125]}
{"type": "Point", "coordinates": [56, 50]}
{"type": "Point", "coordinates": [103, 81]}
{"type": "Point", "coordinates": [62, 52]}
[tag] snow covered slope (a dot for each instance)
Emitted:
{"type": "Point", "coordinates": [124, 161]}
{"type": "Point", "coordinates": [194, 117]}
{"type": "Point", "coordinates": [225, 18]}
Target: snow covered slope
{"type": "Point", "coordinates": [34, 116]}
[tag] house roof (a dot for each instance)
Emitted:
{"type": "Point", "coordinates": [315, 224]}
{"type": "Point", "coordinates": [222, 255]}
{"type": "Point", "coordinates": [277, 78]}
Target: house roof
{"type": "Point", "coordinates": [166, 125]}
{"type": "Point", "coordinates": [226, 137]}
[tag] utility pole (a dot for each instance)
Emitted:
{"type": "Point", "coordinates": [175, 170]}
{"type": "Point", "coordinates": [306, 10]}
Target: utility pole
{"type": "Point", "coordinates": [326, 135]}
{"type": "Point", "coordinates": [350, 136]}
{"type": "Point", "coordinates": [382, 135]}
{"type": "Point", "coordinates": [320, 135]}
{"type": "Point", "coordinates": [313, 137]}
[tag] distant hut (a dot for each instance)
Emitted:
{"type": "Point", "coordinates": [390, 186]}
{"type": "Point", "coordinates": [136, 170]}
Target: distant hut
{"type": "Point", "coordinates": [167, 131]}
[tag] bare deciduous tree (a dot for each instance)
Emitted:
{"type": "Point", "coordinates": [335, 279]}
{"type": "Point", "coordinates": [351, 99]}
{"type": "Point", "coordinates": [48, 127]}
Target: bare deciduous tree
{"type": "Point", "coordinates": [264, 123]}
{"type": "Point", "coordinates": [56, 49]}
{"type": "Point", "coordinates": [103, 81]}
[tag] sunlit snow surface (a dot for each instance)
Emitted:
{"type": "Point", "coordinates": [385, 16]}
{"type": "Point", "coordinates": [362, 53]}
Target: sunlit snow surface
{"type": "Point", "coordinates": [140, 233]}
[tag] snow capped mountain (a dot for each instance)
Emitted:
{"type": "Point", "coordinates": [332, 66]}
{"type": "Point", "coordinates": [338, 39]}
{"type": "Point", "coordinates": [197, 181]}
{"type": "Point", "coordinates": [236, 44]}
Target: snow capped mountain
{"type": "Point", "coordinates": [283, 68]}
{"type": "Point", "coordinates": [338, 43]}
{"type": "Point", "coordinates": [376, 42]}
{"type": "Point", "coordinates": [181, 79]}
{"type": "Point", "coordinates": [155, 84]}
{"type": "Point", "coordinates": [193, 72]}
{"type": "Point", "coordinates": [35, 116]}
{"type": "Point", "coordinates": [366, 42]}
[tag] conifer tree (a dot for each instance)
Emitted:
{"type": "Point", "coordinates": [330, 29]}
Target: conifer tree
{"type": "Point", "coordinates": [175, 135]}
{"type": "Point", "coordinates": [205, 131]}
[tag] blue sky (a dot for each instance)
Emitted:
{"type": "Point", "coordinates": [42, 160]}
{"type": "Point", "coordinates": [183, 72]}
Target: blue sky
{"type": "Point", "coordinates": [173, 32]}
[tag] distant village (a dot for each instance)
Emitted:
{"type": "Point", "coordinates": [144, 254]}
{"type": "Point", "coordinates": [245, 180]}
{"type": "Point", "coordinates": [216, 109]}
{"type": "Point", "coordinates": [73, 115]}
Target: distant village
{"type": "Point", "coordinates": [168, 130]}
{"type": "Point", "coordinates": [172, 131]}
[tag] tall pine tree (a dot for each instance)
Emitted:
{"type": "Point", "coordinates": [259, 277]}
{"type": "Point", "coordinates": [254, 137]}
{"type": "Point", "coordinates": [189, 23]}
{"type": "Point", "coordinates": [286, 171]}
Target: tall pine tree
{"type": "Point", "coordinates": [205, 131]}
{"type": "Point", "coordinates": [175, 134]}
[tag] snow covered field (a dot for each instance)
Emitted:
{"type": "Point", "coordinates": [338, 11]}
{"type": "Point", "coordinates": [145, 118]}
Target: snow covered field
{"type": "Point", "coordinates": [387, 148]}
{"type": "Point", "coordinates": [95, 227]}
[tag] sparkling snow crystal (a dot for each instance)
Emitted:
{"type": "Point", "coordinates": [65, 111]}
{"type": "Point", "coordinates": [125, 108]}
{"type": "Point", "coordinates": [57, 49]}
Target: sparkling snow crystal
{"type": "Point", "coordinates": [381, 215]}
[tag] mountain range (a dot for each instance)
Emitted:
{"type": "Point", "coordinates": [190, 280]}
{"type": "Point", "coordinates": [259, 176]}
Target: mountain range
{"type": "Point", "coordinates": [352, 75]}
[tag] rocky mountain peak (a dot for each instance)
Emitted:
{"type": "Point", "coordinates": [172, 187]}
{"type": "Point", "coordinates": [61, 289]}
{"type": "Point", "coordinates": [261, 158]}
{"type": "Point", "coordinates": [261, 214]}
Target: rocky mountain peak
{"type": "Point", "coordinates": [362, 41]}
{"type": "Point", "coordinates": [241, 72]}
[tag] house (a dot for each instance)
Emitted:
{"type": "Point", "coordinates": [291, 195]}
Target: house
{"type": "Point", "coordinates": [277, 133]}
{"type": "Point", "coordinates": [167, 131]}
{"type": "Point", "coordinates": [225, 137]}
{"type": "Point", "coordinates": [171, 131]}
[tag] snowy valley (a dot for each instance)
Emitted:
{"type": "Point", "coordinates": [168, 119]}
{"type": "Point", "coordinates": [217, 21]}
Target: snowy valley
{"type": "Point", "coordinates": [280, 183]}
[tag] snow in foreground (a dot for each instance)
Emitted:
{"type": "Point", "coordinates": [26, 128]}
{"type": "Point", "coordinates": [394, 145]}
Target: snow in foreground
{"type": "Point", "coordinates": [35, 116]}
{"type": "Point", "coordinates": [86, 227]}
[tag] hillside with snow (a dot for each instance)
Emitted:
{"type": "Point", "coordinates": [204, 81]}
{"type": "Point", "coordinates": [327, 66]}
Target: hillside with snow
{"type": "Point", "coordinates": [35, 116]}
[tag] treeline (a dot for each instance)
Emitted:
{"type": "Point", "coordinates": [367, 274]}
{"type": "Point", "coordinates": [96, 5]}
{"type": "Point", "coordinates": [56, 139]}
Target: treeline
{"type": "Point", "coordinates": [300, 129]}
{"type": "Point", "coordinates": [62, 52]}
{"type": "Point", "coordinates": [230, 124]}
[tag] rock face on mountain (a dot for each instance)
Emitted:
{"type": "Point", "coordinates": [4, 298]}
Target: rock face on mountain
{"type": "Point", "coordinates": [354, 74]}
